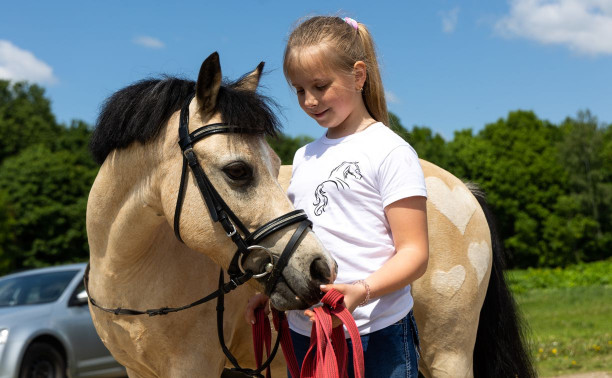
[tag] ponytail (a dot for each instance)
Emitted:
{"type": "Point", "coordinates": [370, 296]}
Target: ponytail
{"type": "Point", "coordinates": [373, 91]}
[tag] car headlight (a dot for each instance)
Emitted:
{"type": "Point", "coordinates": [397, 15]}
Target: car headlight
{"type": "Point", "coordinates": [3, 335]}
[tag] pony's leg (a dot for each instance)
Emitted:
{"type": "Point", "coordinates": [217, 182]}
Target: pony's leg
{"type": "Point", "coordinates": [448, 298]}
{"type": "Point", "coordinates": [447, 337]}
{"type": "Point", "coordinates": [444, 363]}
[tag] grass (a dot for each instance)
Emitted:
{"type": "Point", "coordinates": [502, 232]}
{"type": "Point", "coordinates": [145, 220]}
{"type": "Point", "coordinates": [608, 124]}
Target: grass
{"type": "Point", "coordinates": [571, 328]}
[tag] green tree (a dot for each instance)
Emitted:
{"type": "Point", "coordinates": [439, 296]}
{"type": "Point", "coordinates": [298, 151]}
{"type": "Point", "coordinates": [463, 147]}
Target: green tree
{"type": "Point", "coordinates": [429, 146]}
{"type": "Point", "coordinates": [586, 209]}
{"type": "Point", "coordinates": [75, 139]}
{"type": "Point", "coordinates": [25, 118]}
{"type": "Point", "coordinates": [515, 161]}
{"type": "Point", "coordinates": [45, 175]}
{"type": "Point", "coordinates": [286, 146]}
{"type": "Point", "coordinates": [6, 221]}
{"type": "Point", "coordinates": [46, 193]}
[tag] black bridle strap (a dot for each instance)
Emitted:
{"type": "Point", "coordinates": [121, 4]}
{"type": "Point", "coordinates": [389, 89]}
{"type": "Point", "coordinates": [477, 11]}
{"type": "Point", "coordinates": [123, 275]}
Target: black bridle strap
{"type": "Point", "coordinates": [179, 202]}
{"type": "Point", "coordinates": [224, 288]}
{"type": "Point", "coordinates": [274, 225]}
{"type": "Point", "coordinates": [215, 204]}
{"type": "Point", "coordinates": [265, 230]}
{"type": "Point", "coordinates": [286, 255]}
{"type": "Point", "coordinates": [226, 351]}
{"type": "Point", "coordinates": [272, 279]}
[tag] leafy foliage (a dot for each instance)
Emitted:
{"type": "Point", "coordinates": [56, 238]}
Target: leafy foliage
{"type": "Point", "coordinates": [586, 210]}
{"type": "Point", "coordinates": [597, 273]}
{"type": "Point", "coordinates": [515, 162]}
{"type": "Point", "coordinates": [25, 118]}
{"type": "Point", "coordinates": [45, 175]}
{"type": "Point", "coordinates": [286, 146]}
{"type": "Point", "coordinates": [428, 145]}
{"type": "Point", "coordinates": [47, 195]}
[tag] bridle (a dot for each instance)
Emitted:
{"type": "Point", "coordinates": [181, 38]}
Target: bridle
{"type": "Point", "coordinates": [220, 211]}
{"type": "Point", "coordinates": [245, 241]}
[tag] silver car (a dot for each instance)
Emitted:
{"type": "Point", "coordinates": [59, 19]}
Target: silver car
{"type": "Point", "coordinates": [46, 329]}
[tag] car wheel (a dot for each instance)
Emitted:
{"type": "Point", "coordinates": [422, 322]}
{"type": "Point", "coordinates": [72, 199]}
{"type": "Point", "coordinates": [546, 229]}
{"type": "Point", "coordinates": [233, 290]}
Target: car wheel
{"type": "Point", "coordinates": [42, 361]}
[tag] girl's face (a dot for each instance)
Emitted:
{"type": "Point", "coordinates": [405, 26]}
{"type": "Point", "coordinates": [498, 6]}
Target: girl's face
{"type": "Point", "coordinates": [331, 97]}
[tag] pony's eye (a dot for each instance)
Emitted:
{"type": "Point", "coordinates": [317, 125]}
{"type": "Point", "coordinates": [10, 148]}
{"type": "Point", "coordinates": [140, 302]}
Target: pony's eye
{"type": "Point", "coordinates": [238, 171]}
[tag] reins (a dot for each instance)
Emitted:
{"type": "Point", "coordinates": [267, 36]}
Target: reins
{"type": "Point", "coordinates": [244, 240]}
{"type": "Point", "coordinates": [327, 355]}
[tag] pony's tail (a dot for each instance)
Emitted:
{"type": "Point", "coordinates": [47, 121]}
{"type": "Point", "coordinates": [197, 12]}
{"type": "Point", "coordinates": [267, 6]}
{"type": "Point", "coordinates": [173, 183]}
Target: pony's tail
{"type": "Point", "coordinates": [321, 200]}
{"type": "Point", "coordinates": [501, 348]}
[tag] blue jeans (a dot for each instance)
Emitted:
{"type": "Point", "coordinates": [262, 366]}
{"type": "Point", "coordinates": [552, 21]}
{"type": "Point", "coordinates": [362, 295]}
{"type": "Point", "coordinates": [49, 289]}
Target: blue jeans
{"type": "Point", "coordinates": [391, 352]}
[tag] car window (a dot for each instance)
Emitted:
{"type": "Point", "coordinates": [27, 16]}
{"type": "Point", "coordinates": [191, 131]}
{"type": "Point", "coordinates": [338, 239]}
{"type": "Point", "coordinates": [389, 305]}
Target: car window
{"type": "Point", "coordinates": [35, 288]}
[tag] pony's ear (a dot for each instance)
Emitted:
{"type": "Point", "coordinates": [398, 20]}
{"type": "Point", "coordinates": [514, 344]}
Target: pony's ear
{"type": "Point", "coordinates": [250, 81]}
{"type": "Point", "coordinates": [346, 171]}
{"type": "Point", "coordinates": [209, 82]}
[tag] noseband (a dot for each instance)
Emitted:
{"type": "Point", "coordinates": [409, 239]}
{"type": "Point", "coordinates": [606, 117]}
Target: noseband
{"type": "Point", "coordinates": [239, 234]}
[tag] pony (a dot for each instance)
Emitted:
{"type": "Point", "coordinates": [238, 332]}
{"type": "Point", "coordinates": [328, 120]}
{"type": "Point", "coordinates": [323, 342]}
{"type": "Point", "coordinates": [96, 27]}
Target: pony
{"type": "Point", "coordinates": [138, 258]}
{"type": "Point", "coordinates": [467, 320]}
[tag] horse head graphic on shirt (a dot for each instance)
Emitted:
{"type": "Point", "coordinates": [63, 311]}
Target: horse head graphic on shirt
{"type": "Point", "coordinates": [338, 176]}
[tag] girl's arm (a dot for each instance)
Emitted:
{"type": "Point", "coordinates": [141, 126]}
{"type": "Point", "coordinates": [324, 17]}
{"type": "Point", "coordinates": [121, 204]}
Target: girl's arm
{"type": "Point", "coordinates": [408, 220]}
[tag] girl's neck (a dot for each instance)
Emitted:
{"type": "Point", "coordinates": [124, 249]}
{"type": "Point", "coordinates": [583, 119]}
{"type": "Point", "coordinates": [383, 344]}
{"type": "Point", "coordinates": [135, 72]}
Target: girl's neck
{"type": "Point", "coordinates": [355, 123]}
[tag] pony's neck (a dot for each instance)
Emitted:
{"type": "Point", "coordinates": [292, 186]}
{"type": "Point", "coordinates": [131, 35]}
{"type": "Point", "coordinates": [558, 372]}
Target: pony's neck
{"type": "Point", "coordinates": [135, 257]}
{"type": "Point", "coordinates": [124, 207]}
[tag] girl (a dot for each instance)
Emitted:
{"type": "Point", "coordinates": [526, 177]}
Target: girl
{"type": "Point", "coordinates": [363, 188]}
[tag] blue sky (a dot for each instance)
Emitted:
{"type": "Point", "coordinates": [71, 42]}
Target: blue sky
{"type": "Point", "coordinates": [447, 65]}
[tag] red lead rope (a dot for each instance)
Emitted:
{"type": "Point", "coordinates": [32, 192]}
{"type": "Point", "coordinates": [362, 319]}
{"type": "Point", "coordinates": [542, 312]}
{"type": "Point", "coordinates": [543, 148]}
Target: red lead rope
{"type": "Point", "coordinates": [328, 352]}
{"type": "Point", "coordinates": [261, 334]}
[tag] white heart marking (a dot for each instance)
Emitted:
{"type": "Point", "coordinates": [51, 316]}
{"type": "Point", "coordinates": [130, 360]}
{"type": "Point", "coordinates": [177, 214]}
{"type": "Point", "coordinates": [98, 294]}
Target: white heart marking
{"type": "Point", "coordinates": [480, 258]}
{"type": "Point", "coordinates": [457, 205]}
{"type": "Point", "coordinates": [448, 283]}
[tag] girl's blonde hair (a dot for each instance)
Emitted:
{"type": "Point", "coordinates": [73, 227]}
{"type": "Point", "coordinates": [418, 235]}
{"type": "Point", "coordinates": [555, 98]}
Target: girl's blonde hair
{"type": "Point", "coordinates": [344, 46]}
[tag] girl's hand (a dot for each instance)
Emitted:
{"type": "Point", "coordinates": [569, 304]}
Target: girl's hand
{"type": "Point", "coordinates": [257, 300]}
{"type": "Point", "coordinates": [353, 296]}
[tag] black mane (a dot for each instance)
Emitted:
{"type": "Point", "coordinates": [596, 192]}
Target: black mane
{"type": "Point", "coordinates": [139, 112]}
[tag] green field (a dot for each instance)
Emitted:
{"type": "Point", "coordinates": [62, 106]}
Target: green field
{"type": "Point", "coordinates": [570, 326]}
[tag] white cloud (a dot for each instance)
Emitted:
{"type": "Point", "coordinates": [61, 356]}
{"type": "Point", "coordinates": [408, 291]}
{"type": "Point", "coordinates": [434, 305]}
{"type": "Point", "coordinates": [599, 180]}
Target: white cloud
{"type": "Point", "coordinates": [150, 42]}
{"type": "Point", "coordinates": [17, 64]}
{"type": "Point", "coordinates": [391, 97]}
{"type": "Point", "coordinates": [585, 26]}
{"type": "Point", "coordinates": [449, 20]}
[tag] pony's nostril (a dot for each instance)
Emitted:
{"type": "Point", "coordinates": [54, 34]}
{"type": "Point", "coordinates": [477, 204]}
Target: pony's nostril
{"type": "Point", "coordinates": [319, 271]}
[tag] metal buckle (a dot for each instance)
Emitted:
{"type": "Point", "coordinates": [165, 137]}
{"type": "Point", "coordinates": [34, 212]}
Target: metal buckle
{"type": "Point", "coordinates": [269, 266]}
{"type": "Point", "coordinates": [190, 156]}
{"type": "Point", "coordinates": [232, 233]}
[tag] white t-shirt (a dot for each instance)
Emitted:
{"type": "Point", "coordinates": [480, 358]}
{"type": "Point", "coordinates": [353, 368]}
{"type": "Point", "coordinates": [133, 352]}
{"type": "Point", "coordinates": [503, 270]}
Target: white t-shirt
{"type": "Point", "coordinates": [344, 185]}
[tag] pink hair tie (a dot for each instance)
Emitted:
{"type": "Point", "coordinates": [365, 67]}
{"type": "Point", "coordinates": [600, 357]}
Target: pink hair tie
{"type": "Point", "coordinates": [351, 22]}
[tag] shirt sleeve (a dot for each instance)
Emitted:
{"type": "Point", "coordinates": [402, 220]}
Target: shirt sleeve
{"type": "Point", "coordinates": [401, 176]}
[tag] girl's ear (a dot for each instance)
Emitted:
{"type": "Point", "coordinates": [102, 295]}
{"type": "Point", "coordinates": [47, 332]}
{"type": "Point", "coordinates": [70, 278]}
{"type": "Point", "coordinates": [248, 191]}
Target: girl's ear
{"type": "Point", "coordinates": [360, 72]}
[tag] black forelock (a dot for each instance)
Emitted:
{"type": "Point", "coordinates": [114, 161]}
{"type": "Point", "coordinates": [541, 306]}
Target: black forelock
{"type": "Point", "coordinates": [248, 110]}
{"type": "Point", "coordinates": [140, 111]}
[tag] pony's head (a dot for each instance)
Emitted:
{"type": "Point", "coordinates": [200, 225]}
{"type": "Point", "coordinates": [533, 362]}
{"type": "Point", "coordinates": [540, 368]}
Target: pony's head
{"type": "Point", "coordinates": [240, 166]}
